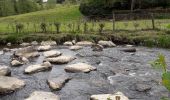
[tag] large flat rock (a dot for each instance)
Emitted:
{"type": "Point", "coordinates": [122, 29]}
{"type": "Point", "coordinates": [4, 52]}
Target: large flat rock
{"type": "Point", "coordinates": [107, 43]}
{"type": "Point", "coordinates": [52, 53]}
{"type": "Point", "coordinates": [44, 48]}
{"type": "Point", "coordinates": [84, 43]}
{"type": "Point", "coordinates": [60, 59]}
{"type": "Point", "coordinates": [5, 71]}
{"type": "Point", "coordinates": [76, 47]}
{"type": "Point", "coordinates": [38, 68]}
{"type": "Point", "coordinates": [79, 67]}
{"type": "Point", "coordinates": [41, 95]}
{"type": "Point", "coordinates": [10, 84]}
{"type": "Point", "coordinates": [51, 43]}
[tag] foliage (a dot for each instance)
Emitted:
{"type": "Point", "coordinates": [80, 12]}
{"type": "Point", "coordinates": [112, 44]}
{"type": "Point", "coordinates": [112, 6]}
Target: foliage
{"type": "Point", "coordinates": [43, 27]}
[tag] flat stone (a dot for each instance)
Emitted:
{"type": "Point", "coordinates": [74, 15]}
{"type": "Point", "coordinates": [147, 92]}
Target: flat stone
{"type": "Point", "coordinates": [10, 84]}
{"type": "Point", "coordinates": [52, 53]}
{"type": "Point", "coordinates": [116, 96]}
{"type": "Point", "coordinates": [25, 44]}
{"type": "Point", "coordinates": [44, 48]}
{"type": "Point", "coordinates": [79, 67]}
{"type": "Point", "coordinates": [38, 68]}
{"type": "Point", "coordinates": [41, 95]}
{"type": "Point", "coordinates": [76, 47]}
{"type": "Point", "coordinates": [84, 43]}
{"type": "Point", "coordinates": [27, 52]}
{"type": "Point", "coordinates": [107, 43]}
{"type": "Point", "coordinates": [68, 43]}
{"type": "Point", "coordinates": [58, 83]}
{"type": "Point", "coordinates": [51, 43]}
{"type": "Point", "coordinates": [60, 59]}
{"type": "Point", "coordinates": [5, 71]}
{"type": "Point", "coordinates": [16, 63]}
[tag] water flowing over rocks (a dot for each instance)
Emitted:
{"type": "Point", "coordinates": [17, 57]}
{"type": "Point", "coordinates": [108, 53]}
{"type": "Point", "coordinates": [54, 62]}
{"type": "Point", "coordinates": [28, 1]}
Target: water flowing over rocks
{"type": "Point", "coordinates": [52, 53]}
{"type": "Point", "coordinates": [127, 72]}
{"type": "Point", "coordinates": [38, 68]}
{"type": "Point", "coordinates": [10, 84]}
{"type": "Point", "coordinates": [51, 43]}
{"type": "Point", "coordinates": [41, 95]}
{"type": "Point", "coordinates": [5, 71]}
{"type": "Point", "coordinates": [79, 67]}
{"type": "Point", "coordinates": [106, 43]}
{"type": "Point", "coordinates": [44, 48]}
{"type": "Point", "coordinates": [84, 43]}
{"type": "Point", "coordinates": [58, 83]}
{"type": "Point", "coordinates": [61, 59]}
{"type": "Point", "coordinates": [76, 47]}
{"type": "Point", "coordinates": [116, 96]}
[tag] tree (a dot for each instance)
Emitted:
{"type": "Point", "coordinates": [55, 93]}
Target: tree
{"type": "Point", "coordinates": [6, 7]}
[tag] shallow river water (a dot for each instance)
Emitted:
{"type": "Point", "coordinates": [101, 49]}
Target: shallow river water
{"type": "Point", "coordinates": [116, 71]}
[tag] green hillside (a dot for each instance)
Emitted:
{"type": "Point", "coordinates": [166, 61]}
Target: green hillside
{"type": "Point", "coordinates": [61, 13]}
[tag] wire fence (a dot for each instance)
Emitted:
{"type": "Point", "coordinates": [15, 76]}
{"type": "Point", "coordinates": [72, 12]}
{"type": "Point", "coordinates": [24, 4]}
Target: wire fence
{"type": "Point", "coordinates": [92, 24]}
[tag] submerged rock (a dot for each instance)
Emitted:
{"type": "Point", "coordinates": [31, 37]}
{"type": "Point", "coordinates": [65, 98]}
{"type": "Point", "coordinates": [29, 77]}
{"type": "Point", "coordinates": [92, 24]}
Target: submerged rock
{"type": "Point", "coordinates": [38, 68]}
{"type": "Point", "coordinates": [44, 48]}
{"type": "Point", "coordinates": [84, 43]}
{"type": "Point", "coordinates": [76, 47]}
{"type": "Point", "coordinates": [116, 96]}
{"type": "Point", "coordinates": [10, 84]}
{"type": "Point", "coordinates": [58, 83]}
{"type": "Point", "coordinates": [130, 49]}
{"type": "Point", "coordinates": [41, 95]}
{"type": "Point", "coordinates": [68, 43]}
{"type": "Point", "coordinates": [107, 43]}
{"type": "Point", "coordinates": [52, 53]}
{"type": "Point", "coordinates": [27, 52]}
{"type": "Point", "coordinates": [5, 71]}
{"type": "Point", "coordinates": [79, 67]}
{"type": "Point", "coordinates": [25, 44]}
{"type": "Point", "coordinates": [51, 43]}
{"type": "Point", "coordinates": [97, 47]}
{"type": "Point", "coordinates": [16, 63]}
{"type": "Point", "coordinates": [60, 59]}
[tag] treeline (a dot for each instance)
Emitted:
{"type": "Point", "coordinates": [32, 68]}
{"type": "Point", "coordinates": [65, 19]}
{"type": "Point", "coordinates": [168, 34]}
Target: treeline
{"type": "Point", "coordinates": [103, 7]}
{"type": "Point", "coordinates": [11, 7]}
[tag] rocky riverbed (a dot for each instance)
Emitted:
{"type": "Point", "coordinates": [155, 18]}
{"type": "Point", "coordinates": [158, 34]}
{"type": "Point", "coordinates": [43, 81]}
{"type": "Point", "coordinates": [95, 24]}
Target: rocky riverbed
{"type": "Point", "coordinates": [86, 72]}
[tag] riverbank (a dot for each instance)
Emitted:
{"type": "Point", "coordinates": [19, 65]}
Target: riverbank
{"type": "Point", "coordinates": [149, 38]}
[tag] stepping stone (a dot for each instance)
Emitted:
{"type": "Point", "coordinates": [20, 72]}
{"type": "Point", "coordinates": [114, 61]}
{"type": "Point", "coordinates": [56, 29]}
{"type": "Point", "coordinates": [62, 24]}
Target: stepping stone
{"type": "Point", "coordinates": [34, 43]}
{"type": "Point", "coordinates": [52, 53]}
{"type": "Point", "coordinates": [76, 47]}
{"type": "Point", "coordinates": [41, 95]}
{"type": "Point", "coordinates": [116, 96]}
{"type": "Point", "coordinates": [68, 43]}
{"type": "Point", "coordinates": [107, 43]}
{"type": "Point", "coordinates": [10, 84]}
{"type": "Point", "coordinates": [51, 43]}
{"type": "Point", "coordinates": [28, 52]}
{"type": "Point", "coordinates": [58, 83]}
{"type": "Point", "coordinates": [9, 44]}
{"type": "Point", "coordinates": [16, 63]}
{"type": "Point", "coordinates": [84, 43]}
{"type": "Point", "coordinates": [38, 68]}
{"type": "Point", "coordinates": [44, 48]}
{"type": "Point", "coordinates": [5, 71]}
{"type": "Point", "coordinates": [60, 59]}
{"type": "Point", "coordinates": [25, 44]}
{"type": "Point", "coordinates": [79, 67]}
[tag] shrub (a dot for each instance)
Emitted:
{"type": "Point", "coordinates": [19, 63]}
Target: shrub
{"type": "Point", "coordinates": [43, 27]}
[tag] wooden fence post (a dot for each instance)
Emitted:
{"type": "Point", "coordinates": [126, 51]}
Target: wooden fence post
{"type": "Point", "coordinates": [114, 21]}
{"type": "Point", "coordinates": [153, 21]}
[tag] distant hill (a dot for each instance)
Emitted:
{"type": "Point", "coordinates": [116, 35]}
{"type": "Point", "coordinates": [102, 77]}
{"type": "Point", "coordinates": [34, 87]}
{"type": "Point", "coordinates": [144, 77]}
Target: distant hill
{"type": "Point", "coordinates": [60, 14]}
